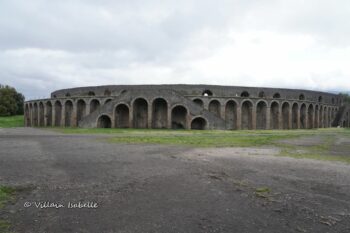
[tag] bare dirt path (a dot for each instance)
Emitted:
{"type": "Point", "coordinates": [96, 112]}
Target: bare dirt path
{"type": "Point", "coordinates": [152, 188]}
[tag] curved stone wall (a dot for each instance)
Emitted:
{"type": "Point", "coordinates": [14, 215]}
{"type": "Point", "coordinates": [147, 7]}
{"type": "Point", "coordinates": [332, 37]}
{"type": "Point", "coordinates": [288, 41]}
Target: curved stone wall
{"type": "Point", "coordinates": [187, 106]}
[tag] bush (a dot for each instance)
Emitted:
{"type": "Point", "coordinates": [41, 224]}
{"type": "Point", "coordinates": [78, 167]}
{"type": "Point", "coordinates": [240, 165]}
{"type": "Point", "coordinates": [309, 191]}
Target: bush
{"type": "Point", "coordinates": [11, 101]}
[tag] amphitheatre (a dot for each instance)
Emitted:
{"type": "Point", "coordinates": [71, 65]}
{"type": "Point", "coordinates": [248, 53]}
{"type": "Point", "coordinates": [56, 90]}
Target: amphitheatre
{"type": "Point", "coordinates": [187, 107]}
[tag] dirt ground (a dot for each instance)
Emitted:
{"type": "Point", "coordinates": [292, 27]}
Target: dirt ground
{"type": "Point", "coordinates": [159, 188]}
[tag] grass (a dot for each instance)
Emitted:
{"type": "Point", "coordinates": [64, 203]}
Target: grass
{"type": "Point", "coordinates": [6, 194]}
{"type": "Point", "coordinates": [12, 121]}
{"type": "Point", "coordinates": [241, 138]}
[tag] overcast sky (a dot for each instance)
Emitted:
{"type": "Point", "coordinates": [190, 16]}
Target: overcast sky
{"type": "Point", "coordinates": [49, 45]}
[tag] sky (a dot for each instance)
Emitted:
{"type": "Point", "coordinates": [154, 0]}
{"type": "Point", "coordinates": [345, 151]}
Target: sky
{"type": "Point", "coordinates": [50, 45]}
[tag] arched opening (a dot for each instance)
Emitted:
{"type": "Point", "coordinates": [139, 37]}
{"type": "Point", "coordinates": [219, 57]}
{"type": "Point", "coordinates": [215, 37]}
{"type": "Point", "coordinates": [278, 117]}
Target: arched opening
{"type": "Point", "coordinates": [247, 115]}
{"type": "Point", "coordinates": [207, 93]}
{"type": "Point", "coordinates": [199, 102]}
{"type": "Point", "coordinates": [231, 115]}
{"type": "Point", "coordinates": [107, 101]}
{"type": "Point", "coordinates": [68, 108]}
{"type": "Point", "coordinates": [214, 107]}
{"type": "Point", "coordinates": [295, 119]}
{"type": "Point", "coordinates": [140, 115]}
{"type": "Point", "coordinates": [41, 114]}
{"type": "Point", "coordinates": [91, 93]}
{"type": "Point", "coordinates": [276, 96]}
{"type": "Point", "coordinates": [245, 94]}
{"type": "Point", "coordinates": [285, 115]}
{"type": "Point", "coordinates": [104, 121]}
{"type": "Point", "coordinates": [301, 97]}
{"type": "Point", "coordinates": [317, 115]}
{"type": "Point", "coordinates": [121, 116]}
{"type": "Point", "coordinates": [274, 115]}
{"type": "Point", "coordinates": [123, 92]}
{"type": "Point", "coordinates": [94, 105]}
{"type": "Point", "coordinates": [27, 115]}
{"type": "Point", "coordinates": [48, 113]}
{"type": "Point", "coordinates": [320, 99]}
{"type": "Point", "coordinates": [159, 114]}
{"type": "Point", "coordinates": [329, 118]}
{"type": "Point", "coordinates": [81, 110]}
{"type": "Point", "coordinates": [58, 113]}
{"type": "Point", "coordinates": [261, 111]}
{"type": "Point", "coordinates": [199, 123]}
{"type": "Point", "coordinates": [310, 114]}
{"type": "Point", "coordinates": [303, 116]}
{"type": "Point", "coordinates": [35, 117]}
{"type": "Point", "coordinates": [179, 117]}
{"type": "Point", "coordinates": [68, 94]}
{"type": "Point", "coordinates": [262, 94]}
{"type": "Point", "coordinates": [333, 100]}
{"type": "Point", "coordinates": [107, 92]}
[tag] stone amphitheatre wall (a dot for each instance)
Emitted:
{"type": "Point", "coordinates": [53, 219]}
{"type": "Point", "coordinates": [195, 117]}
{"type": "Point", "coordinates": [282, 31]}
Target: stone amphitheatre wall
{"type": "Point", "coordinates": [187, 107]}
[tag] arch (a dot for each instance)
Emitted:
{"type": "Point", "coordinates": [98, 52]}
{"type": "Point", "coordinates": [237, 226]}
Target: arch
{"type": "Point", "coordinates": [199, 102]}
{"type": "Point", "coordinates": [81, 110]}
{"type": "Point", "coordinates": [207, 93]}
{"type": "Point", "coordinates": [179, 117]}
{"type": "Point", "coordinates": [27, 115]}
{"type": "Point", "coordinates": [301, 97]}
{"type": "Point", "coordinates": [295, 120]}
{"type": "Point", "coordinates": [121, 116]}
{"type": "Point", "coordinates": [199, 123]}
{"type": "Point", "coordinates": [303, 116]}
{"type": "Point", "coordinates": [247, 115]}
{"type": "Point", "coordinates": [159, 114]}
{"type": "Point", "coordinates": [310, 115]}
{"type": "Point", "coordinates": [231, 114]}
{"type": "Point", "coordinates": [91, 93]}
{"type": "Point", "coordinates": [261, 94]}
{"type": "Point", "coordinates": [245, 94]}
{"type": "Point", "coordinates": [48, 113]}
{"type": "Point", "coordinates": [329, 118]}
{"type": "Point", "coordinates": [261, 112]}
{"type": "Point", "coordinates": [274, 115]}
{"type": "Point", "coordinates": [68, 113]}
{"type": "Point", "coordinates": [94, 105]}
{"type": "Point", "coordinates": [317, 115]}
{"type": "Point", "coordinates": [107, 101]}
{"type": "Point", "coordinates": [320, 99]}
{"type": "Point", "coordinates": [104, 121]}
{"type": "Point", "coordinates": [35, 114]}
{"type": "Point", "coordinates": [41, 114]}
{"type": "Point", "coordinates": [107, 92]}
{"type": "Point", "coordinates": [140, 116]}
{"type": "Point", "coordinates": [276, 96]}
{"type": "Point", "coordinates": [58, 113]}
{"type": "Point", "coordinates": [214, 107]}
{"type": "Point", "coordinates": [285, 115]}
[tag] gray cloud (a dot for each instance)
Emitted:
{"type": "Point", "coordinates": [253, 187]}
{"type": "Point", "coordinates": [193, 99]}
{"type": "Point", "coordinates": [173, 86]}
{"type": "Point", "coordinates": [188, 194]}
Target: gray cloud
{"type": "Point", "coordinates": [47, 45]}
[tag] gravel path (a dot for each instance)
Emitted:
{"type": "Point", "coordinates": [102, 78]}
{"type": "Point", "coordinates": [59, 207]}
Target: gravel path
{"type": "Point", "coordinates": [153, 188]}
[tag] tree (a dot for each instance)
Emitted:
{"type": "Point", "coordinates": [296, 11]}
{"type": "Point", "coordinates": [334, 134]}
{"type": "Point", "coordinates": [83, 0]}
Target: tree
{"type": "Point", "coordinates": [11, 101]}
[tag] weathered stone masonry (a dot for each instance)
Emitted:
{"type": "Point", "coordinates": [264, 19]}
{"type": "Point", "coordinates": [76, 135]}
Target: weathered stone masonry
{"type": "Point", "coordinates": [188, 107]}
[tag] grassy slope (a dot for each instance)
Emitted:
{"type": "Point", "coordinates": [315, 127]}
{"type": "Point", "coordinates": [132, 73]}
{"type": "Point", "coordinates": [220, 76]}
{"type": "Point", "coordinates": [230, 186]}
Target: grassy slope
{"type": "Point", "coordinates": [11, 121]}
